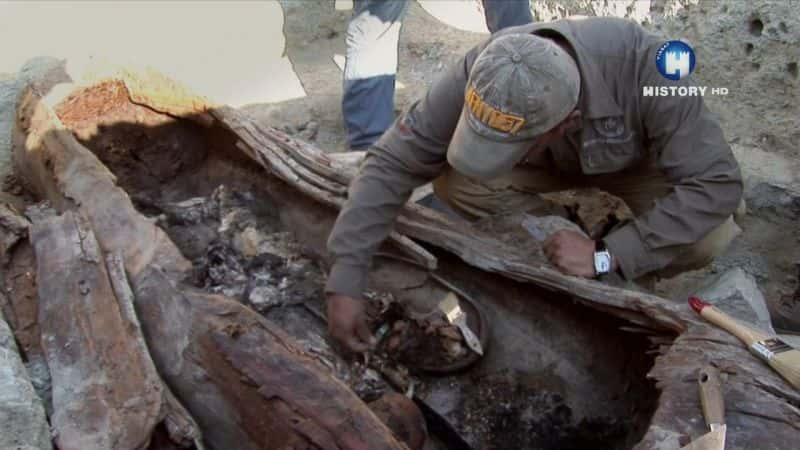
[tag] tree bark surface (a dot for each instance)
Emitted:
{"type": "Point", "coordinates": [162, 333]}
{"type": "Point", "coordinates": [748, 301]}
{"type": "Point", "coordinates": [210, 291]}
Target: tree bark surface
{"type": "Point", "coordinates": [106, 392]}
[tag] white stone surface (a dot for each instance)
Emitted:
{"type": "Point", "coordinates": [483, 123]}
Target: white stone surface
{"type": "Point", "coordinates": [791, 339]}
{"type": "Point", "coordinates": [231, 52]}
{"type": "Point", "coordinates": [736, 293]}
{"type": "Point", "coordinates": [23, 425]}
{"type": "Point", "coordinates": [543, 227]}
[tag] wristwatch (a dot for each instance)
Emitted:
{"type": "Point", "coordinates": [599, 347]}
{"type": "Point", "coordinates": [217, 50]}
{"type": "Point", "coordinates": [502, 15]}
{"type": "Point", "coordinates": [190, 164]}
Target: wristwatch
{"type": "Point", "coordinates": [602, 259]}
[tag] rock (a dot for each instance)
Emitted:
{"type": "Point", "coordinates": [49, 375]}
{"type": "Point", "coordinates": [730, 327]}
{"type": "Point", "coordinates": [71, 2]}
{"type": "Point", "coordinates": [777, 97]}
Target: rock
{"type": "Point", "coordinates": [753, 262]}
{"type": "Point", "coordinates": [309, 131]}
{"type": "Point", "coordinates": [403, 417]}
{"type": "Point", "coordinates": [13, 227]}
{"type": "Point", "coordinates": [768, 199]}
{"type": "Point", "coordinates": [288, 128]}
{"type": "Point", "coordinates": [9, 92]}
{"type": "Point", "coordinates": [40, 211]}
{"type": "Point", "coordinates": [190, 211]}
{"type": "Point", "coordinates": [264, 296]}
{"type": "Point", "coordinates": [306, 130]}
{"type": "Point", "coordinates": [23, 424]}
{"type": "Point", "coordinates": [594, 211]}
{"type": "Point", "coordinates": [736, 293]}
{"type": "Point", "coordinates": [542, 227]}
{"type": "Point", "coordinates": [661, 439]}
{"type": "Point", "coordinates": [252, 243]}
{"type": "Point", "coordinates": [636, 10]}
{"type": "Point", "coordinates": [757, 41]}
{"type": "Point", "coordinates": [39, 374]}
{"type": "Point", "coordinates": [765, 165]}
{"type": "Point", "coordinates": [247, 242]}
{"type": "Point", "coordinates": [42, 73]}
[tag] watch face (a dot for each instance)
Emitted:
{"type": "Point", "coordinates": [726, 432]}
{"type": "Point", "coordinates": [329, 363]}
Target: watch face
{"type": "Point", "coordinates": [602, 262]}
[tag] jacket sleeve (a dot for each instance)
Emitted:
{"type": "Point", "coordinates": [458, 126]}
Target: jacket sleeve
{"type": "Point", "coordinates": [706, 184]}
{"type": "Point", "coordinates": [409, 154]}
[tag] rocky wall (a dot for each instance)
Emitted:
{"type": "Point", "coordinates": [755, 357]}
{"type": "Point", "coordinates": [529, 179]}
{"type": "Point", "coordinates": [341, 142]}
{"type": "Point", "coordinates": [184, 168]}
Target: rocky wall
{"type": "Point", "coordinates": [750, 47]}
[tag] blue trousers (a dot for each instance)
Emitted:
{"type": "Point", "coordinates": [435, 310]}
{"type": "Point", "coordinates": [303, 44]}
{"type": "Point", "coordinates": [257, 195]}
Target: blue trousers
{"type": "Point", "coordinates": [371, 61]}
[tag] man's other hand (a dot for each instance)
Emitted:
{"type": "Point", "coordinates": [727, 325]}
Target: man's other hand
{"type": "Point", "coordinates": [347, 323]}
{"type": "Point", "coordinates": [571, 253]}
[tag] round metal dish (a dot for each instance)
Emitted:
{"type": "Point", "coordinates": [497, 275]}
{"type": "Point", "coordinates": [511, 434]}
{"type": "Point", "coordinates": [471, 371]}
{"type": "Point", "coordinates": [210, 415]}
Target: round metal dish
{"type": "Point", "coordinates": [476, 320]}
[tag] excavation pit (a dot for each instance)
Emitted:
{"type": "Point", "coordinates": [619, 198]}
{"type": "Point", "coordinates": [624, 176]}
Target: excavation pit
{"type": "Point", "coordinates": [557, 374]}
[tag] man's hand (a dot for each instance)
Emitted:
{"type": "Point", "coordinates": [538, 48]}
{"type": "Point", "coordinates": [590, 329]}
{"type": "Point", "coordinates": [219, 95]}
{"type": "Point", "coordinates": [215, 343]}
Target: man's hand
{"type": "Point", "coordinates": [571, 253]}
{"type": "Point", "coordinates": [347, 323]}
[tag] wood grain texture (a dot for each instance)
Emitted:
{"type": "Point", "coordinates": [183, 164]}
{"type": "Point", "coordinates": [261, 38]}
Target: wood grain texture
{"type": "Point", "coordinates": [106, 392]}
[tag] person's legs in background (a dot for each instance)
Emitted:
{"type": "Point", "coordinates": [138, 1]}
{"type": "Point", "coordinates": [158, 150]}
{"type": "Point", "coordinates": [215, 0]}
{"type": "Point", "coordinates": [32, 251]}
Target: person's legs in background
{"type": "Point", "coordinates": [506, 13]}
{"type": "Point", "coordinates": [372, 38]}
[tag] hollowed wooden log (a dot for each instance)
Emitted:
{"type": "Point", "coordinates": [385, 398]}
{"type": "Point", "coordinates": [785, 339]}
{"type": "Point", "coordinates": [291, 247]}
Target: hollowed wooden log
{"type": "Point", "coordinates": [574, 349]}
{"type": "Point", "coordinates": [183, 327]}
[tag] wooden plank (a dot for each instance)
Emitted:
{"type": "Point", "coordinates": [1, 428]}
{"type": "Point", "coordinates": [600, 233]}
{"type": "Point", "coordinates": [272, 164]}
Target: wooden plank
{"type": "Point", "coordinates": [106, 392]}
{"type": "Point", "coordinates": [181, 426]}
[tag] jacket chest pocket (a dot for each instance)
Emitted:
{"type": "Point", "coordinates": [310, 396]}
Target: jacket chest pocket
{"type": "Point", "coordinates": [609, 146]}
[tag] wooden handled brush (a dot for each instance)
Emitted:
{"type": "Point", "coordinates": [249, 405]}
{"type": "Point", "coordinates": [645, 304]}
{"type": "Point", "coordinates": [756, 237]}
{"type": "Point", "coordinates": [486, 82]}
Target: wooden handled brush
{"type": "Point", "coordinates": [713, 405]}
{"type": "Point", "coordinates": [782, 357]}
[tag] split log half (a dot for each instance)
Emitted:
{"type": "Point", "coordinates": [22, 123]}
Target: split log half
{"type": "Point", "coordinates": [185, 329]}
{"type": "Point", "coordinates": [106, 391]}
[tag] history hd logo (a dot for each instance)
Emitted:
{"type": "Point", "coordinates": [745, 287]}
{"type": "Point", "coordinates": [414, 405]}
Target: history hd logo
{"type": "Point", "coordinates": [675, 60]}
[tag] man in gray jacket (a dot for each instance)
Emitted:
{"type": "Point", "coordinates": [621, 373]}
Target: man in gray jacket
{"type": "Point", "coordinates": [542, 108]}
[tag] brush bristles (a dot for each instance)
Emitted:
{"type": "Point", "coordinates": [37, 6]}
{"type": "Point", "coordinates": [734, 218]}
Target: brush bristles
{"type": "Point", "coordinates": [788, 365]}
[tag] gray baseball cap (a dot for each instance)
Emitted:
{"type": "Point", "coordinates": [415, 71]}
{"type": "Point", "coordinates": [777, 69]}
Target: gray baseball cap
{"type": "Point", "coordinates": [520, 86]}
